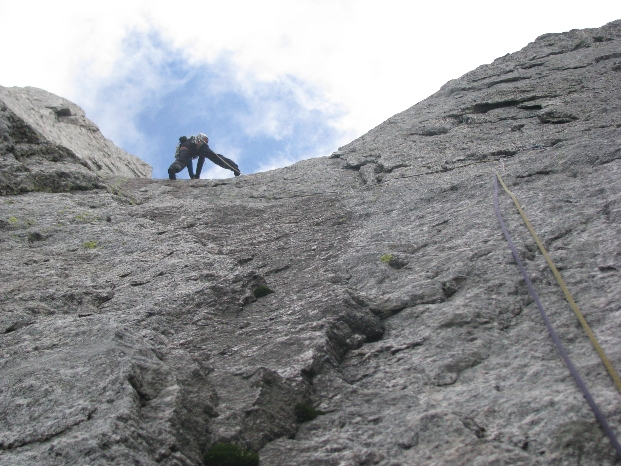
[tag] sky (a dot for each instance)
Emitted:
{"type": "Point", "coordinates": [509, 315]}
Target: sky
{"type": "Point", "coordinates": [270, 82]}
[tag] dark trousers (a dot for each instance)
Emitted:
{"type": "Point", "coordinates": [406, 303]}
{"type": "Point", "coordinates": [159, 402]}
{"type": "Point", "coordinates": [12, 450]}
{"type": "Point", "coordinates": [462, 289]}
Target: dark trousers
{"type": "Point", "coordinates": [182, 161]}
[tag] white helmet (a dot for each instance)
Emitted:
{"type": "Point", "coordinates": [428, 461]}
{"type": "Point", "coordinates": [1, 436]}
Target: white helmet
{"type": "Point", "coordinates": [202, 137]}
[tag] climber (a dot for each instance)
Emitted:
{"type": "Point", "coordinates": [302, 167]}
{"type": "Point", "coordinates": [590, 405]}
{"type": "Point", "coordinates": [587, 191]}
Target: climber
{"type": "Point", "coordinates": [194, 147]}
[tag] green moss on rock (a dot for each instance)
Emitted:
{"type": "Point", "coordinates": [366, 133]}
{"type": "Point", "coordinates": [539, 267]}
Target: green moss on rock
{"type": "Point", "coordinates": [261, 291]}
{"type": "Point", "coordinates": [229, 454]}
{"type": "Point", "coordinates": [305, 413]}
{"type": "Point", "coordinates": [386, 258]}
{"type": "Point", "coordinates": [395, 261]}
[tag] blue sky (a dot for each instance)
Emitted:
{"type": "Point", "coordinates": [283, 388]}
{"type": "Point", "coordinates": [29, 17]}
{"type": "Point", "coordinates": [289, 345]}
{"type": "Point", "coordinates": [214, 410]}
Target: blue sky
{"type": "Point", "coordinates": [260, 125]}
{"type": "Point", "coordinates": [270, 82]}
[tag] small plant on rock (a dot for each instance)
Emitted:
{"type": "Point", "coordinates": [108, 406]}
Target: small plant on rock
{"type": "Point", "coordinates": [396, 262]}
{"type": "Point", "coordinates": [87, 217]}
{"type": "Point", "coordinates": [261, 291]}
{"type": "Point", "coordinates": [386, 258]}
{"type": "Point", "coordinates": [90, 244]}
{"type": "Point", "coordinates": [35, 236]}
{"type": "Point", "coordinates": [305, 413]}
{"type": "Point", "coordinates": [229, 454]}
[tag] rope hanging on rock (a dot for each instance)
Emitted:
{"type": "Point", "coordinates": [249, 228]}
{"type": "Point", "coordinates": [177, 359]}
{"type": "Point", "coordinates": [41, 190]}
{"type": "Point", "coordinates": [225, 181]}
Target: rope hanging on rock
{"type": "Point", "coordinates": [572, 369]}
{"type": "Point", "coordinates": [568, 296]}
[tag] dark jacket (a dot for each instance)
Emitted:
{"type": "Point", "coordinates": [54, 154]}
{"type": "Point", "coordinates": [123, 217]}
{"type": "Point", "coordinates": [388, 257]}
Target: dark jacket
{"type": "Point", "coordinates": [204, 151]}
{"type": "Point", "coordinates": [187, 150]}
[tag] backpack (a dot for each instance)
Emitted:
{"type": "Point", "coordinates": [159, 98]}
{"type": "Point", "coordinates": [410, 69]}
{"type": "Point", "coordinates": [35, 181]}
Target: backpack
{"type": "Point", "coordinates": [183, 139]}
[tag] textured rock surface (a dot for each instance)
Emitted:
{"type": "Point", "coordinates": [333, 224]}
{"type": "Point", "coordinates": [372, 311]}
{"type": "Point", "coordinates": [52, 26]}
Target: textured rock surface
{"type": "Point", "coordinates": [130, 333]}
{"type": "Point", "coordinates": [48, 144]}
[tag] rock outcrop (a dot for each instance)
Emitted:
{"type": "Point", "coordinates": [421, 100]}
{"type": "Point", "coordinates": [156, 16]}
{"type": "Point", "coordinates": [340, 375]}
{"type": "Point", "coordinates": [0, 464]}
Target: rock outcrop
{"type": "Point", "coordinates": [48, 144]}
{"type": "Point", "coordinates": [133, 328]}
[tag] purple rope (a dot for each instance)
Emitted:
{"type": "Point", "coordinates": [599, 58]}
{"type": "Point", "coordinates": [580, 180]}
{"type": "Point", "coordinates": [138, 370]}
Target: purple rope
{"type": "Point", "coordinates": [572, 369]}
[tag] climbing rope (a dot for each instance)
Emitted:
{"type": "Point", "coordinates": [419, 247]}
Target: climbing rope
{"type": "Point", "coordinates": [568, 296]}
{"type": "Point", "coordinates": [572, 369]}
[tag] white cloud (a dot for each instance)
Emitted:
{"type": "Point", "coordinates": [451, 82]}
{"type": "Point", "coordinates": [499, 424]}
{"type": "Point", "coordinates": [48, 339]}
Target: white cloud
{"type": "Point", "coordinates": [369, 59]}
{"type": "Point", "coordinates": [292, 155]}
{"type": "Point", "coordinates": [275, 109]}
{"type": "Point", "coordinates": [215, 173]}
{"type": "Point", "coordinates": [276, 162]}
{"type": "Point", "coordinates": [374, 58]}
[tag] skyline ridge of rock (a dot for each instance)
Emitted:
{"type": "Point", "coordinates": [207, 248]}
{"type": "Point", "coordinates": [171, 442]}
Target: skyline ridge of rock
{"type": "Point", "coordinates": [49, 144]}
{"type": "Point", "coordinates": [133, 329]}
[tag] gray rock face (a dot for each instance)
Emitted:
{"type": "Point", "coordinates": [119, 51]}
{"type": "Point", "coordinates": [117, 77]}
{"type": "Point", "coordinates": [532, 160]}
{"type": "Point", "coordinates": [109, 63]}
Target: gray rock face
{"type": "Point", "coordinates": [48, 144]}
{"type": "Point", "coordinates": [131, 334]}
